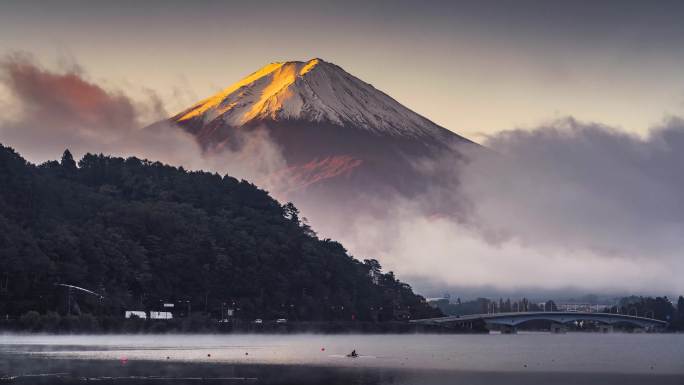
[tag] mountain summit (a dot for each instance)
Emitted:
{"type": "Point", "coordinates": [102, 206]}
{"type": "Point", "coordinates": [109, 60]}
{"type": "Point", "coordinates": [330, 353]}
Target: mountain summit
{"type": "Point", "coordinates": [346, 144]}
{"type": "Point", "coordinates": [313, 91]}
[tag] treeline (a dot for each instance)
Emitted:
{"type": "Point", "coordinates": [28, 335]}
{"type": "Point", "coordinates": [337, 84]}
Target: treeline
{"type": "Point", "coordinates": [661, 308]}
{"type": "Point", "coordinates": [486, 305]}
{"type": "Point", "coordinates": [140, 233]}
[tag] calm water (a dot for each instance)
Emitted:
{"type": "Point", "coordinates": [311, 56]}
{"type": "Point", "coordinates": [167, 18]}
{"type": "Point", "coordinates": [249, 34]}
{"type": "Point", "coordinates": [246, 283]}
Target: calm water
{"type": "Point", "coordinates": [573, 358]}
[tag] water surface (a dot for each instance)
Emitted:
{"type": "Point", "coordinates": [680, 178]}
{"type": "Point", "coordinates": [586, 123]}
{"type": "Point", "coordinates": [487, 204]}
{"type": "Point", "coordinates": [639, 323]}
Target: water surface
{"type": "Point", "coordinates": [573, 358]}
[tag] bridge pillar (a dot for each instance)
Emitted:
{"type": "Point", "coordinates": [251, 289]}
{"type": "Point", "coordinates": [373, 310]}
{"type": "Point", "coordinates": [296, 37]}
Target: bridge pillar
{"type": "Point", "coordinates": [606, 328]}
{"type": "Point", "coordinates": [558, 328]}
{"type": "Point", "coordinates": [507, 329]}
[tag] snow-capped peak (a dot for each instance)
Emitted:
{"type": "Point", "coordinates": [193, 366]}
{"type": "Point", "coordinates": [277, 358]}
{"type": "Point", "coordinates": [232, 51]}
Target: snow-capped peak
{"type": "Point", "coordinates": [314, 90]}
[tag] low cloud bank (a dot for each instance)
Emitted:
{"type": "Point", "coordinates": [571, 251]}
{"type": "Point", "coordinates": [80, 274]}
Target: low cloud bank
{"type": "Point", "coordinates": [566, 205]}
{"type": "Point", "coordinates": [582, 186]}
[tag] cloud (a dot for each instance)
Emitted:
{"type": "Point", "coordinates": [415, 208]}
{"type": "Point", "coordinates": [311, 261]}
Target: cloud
{"type": "Point", "coordinates": [572, 205]}
{"type": "Point", "coordinates": [65, 99]}
{"type": "Point", "coordinates": [52, 111]}
{"type": "Point", "coordinates": [583, 187]}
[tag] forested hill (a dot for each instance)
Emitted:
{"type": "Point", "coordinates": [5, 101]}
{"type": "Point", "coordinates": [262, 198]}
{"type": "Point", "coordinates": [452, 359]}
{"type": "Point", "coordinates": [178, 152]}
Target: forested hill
{"type": "Point", "coordinates": [140, 232]}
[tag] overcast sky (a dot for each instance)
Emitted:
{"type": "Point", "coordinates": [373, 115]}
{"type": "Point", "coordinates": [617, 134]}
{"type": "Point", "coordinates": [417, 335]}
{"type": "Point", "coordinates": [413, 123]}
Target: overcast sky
{"type": "Point", "coordinates": [473, 67]}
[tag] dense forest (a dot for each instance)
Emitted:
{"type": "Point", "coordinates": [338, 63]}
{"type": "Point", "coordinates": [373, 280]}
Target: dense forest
{"type": "Point", "coordinates": [141, 233]}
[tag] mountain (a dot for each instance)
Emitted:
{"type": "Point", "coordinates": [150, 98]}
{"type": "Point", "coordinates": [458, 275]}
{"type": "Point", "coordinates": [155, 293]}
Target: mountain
{"type": "Point", "coordinates": [140, 232]}
{"type": "Point", "coordinates": [314, 91]}
{"type": "Point", "coordinates": [344, 141]}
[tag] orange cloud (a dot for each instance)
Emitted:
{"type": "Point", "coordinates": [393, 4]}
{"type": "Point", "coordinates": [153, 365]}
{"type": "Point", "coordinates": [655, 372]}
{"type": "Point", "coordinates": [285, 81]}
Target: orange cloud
{"type": "Point", "coordinates": [65, 98]}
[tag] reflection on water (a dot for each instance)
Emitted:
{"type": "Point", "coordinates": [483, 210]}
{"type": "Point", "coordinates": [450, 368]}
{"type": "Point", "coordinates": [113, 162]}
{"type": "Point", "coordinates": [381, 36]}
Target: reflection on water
{"type": "Point", "coordinates": [320, 359]}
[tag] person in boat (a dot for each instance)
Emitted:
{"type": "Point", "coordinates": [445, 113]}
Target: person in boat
{"type": "Point", "coordinates": [353, 354]}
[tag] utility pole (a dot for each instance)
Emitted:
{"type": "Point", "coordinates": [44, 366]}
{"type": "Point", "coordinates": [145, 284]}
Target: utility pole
{"type": "Point", "coordinates": [68, 312]}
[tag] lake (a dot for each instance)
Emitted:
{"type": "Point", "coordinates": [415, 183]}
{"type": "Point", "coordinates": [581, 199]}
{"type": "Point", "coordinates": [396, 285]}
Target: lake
{"type": "Point", "coordinates": [525, 358]}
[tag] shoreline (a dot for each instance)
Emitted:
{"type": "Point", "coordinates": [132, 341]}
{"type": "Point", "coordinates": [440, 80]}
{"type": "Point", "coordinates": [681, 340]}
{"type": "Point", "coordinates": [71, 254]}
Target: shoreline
{"type": "Point", "coordinates": [191, 326]}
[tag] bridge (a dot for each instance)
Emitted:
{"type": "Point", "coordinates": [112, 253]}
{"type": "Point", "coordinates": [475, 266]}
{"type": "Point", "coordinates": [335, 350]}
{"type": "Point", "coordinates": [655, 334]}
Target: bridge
{"type": "Point", "coordinates": [508, 322]}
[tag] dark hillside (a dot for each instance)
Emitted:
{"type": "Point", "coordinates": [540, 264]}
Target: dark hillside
{"type": "Point", "coordinates": [140, 232]}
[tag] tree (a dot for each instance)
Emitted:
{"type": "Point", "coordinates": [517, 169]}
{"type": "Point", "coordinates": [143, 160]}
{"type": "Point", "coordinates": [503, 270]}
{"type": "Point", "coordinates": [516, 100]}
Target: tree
{"type": "Point", "coordinates": [68, 162]}
{"type": "Point", "coordinates": [679, 319]}
{"type": "Point", "coordinates": [291, 212]}
{"type": "Point", "coordinates": [551, 306]}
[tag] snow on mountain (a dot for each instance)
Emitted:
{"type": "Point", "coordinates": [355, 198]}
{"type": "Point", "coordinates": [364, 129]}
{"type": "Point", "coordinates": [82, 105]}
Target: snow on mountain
{"type": "Point", "coordinates": [315, 91]}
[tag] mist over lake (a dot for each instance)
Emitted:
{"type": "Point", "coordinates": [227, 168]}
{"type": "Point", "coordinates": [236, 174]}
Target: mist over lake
{"type": "Point", "coordinates": [383, 359]}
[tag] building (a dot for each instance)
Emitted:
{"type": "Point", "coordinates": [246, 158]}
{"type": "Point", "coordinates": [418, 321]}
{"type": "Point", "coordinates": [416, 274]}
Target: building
{"type": "Point", "coordinates": [136, 314]}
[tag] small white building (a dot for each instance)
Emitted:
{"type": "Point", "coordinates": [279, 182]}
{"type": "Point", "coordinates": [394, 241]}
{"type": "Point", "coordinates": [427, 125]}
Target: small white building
{"type": "Point", "coordinates": [136, 314]}
{"type": "Point", "coordinates": [160, 315]}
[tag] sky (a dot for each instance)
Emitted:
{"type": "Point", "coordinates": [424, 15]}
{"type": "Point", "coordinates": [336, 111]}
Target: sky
{"type": "Point", "coordinates": [475, 67]}
{"type": "Point", "coordinates": [583, 99]}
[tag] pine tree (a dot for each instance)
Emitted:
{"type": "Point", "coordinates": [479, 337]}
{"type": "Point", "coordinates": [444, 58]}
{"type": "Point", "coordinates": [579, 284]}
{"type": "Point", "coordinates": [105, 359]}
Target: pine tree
{"type": "Point", "coordinates": [68, 162]}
